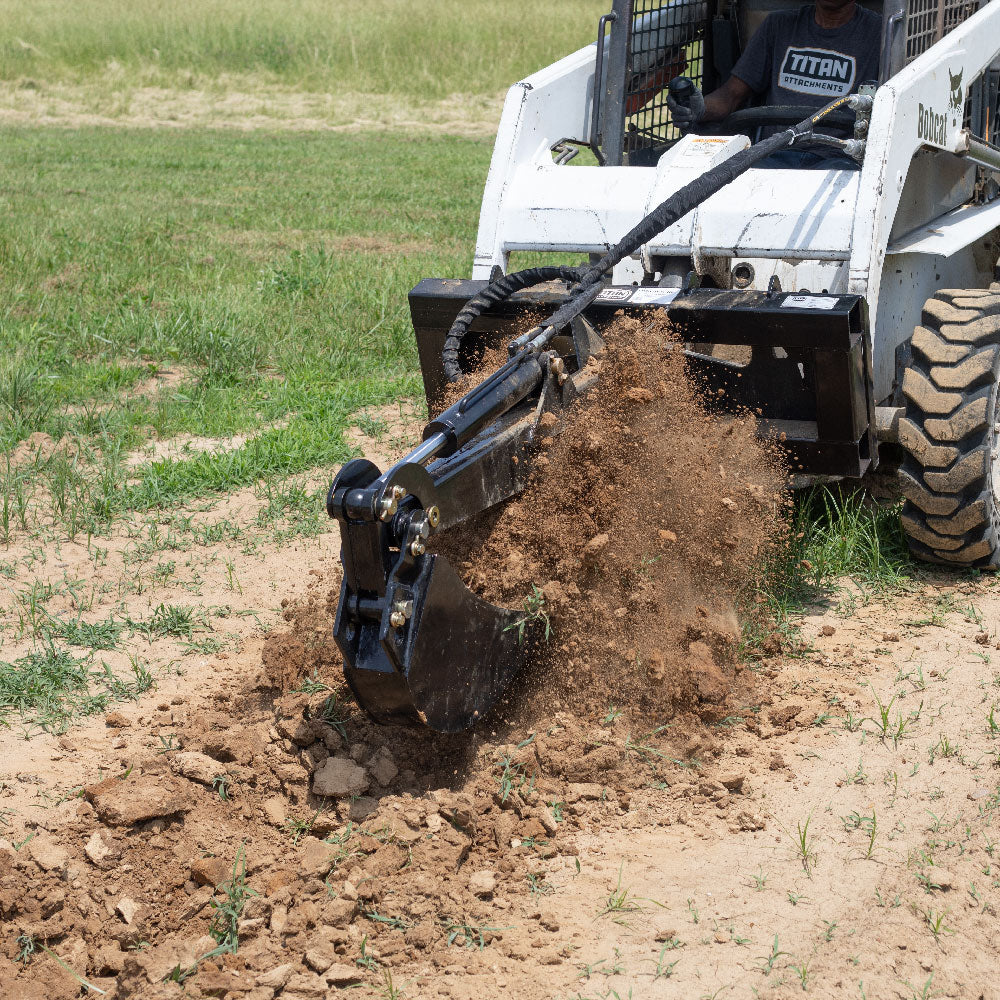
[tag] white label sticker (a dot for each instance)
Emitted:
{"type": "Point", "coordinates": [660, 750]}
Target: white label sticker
{"type": "Point", "coordinates": [614, 295]}
{"type": "Point", "coordinates": [654, 296]}
{"type": "Point", "coordinates": [811, 301]}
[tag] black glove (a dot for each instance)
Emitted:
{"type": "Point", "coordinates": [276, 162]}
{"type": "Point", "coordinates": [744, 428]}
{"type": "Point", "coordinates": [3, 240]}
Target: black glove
{"type": "Point", "coordinates": [687, 117]}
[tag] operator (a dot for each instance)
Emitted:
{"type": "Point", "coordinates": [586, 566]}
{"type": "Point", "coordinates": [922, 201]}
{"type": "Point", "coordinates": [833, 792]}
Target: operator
{"type": "Point", "coordinates": [806, 57]}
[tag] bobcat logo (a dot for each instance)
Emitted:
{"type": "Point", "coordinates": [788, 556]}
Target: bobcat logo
{"type": "Point", "coordinates": [956, 90]}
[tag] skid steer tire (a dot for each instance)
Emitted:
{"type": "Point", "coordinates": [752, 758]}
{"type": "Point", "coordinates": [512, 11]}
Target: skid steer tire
{"type": "Point", "coordinates": [950, 475]}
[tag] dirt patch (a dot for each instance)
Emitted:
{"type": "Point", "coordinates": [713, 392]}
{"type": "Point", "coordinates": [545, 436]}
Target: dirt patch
{"type": "Point", "coordinates": [38, 447]}
{"type": "Point", "coordinates": [640, 532]}
{"type": "Point", "coordinates": [244, 104]}
{"type": "Point", "coordinates": [183, 446]}
{"type": "Point", "coordinates": [788, 845]}
{"type": "Point", "coordinates": [163, 379]}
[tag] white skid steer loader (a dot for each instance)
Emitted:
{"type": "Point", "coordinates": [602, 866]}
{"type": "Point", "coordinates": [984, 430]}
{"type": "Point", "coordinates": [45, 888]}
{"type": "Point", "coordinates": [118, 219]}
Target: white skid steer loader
{"type": "Point", "coordinates": [859, 293]}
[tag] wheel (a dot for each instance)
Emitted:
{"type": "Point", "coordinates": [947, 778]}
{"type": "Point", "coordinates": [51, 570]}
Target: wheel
{"type": "Point", "coordinates": [950, 474]}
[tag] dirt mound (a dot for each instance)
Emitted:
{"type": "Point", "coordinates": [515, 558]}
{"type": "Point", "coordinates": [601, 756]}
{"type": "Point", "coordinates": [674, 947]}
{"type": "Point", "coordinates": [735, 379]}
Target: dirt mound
{"type": "Point", "coordinates": [306, 850]}
{"type": "Point", "coordinates": [639, 535]}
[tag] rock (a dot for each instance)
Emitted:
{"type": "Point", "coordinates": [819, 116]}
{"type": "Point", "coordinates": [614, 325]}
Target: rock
{"type": "Point", "coordinates": [383, 768]}
{"type": "Point", "coordinates": [349, 891]}
{"type": "Point", "coordinates": [161, 960]}
{"type": "Point", "coordinates": [277, 977]}
{"type": "Point", "coordinates": [197, 766]}
{"type": "Point", "coordinates": [297, 730]}
{"type": "Point", "coordinates": [422, 936]}
{"type": "Point", "coordinates": [316, 857]}
{"type": "Point", "coordinates": [211, 871]}
{"type": "Point", "coordinates": [361, 808]}
{"type": "Point", "coordinates": [304, 986]}
{"type": "Point", "coordinates": [115, 720]}
{"type": "Point", "coordinates": [828, 630]}
{"type": "Point", "coordinates": [732, 780]}
{"type": "Point", "coordinates": [123, 802]}
{"type": "Point", "coordinates": [340, 778]}
{"type": "Point", "coordinates": [127, 908]}
{"type": "Point", "coordinates": [482, 884]}
{"type": "Point", "coordinates": [47, 854]}
{"type": "Point", "coordinates": [339, 912]}
{"type": "Point", "coordinates": [667, 536]}
{"type": "Point", "coordinates": [547, 820]}
{"type": "Point", "coordinates": [109, 960]}
{"type": "Point", "coordinates": [274, 810]}
{"type": "Point", "coordinates": [101, 847]}
{"type": "Point", "coordinates": [196, 902]}
{"type": "Point", "coordinates": [341, 975]}
{"type": "Point", "coordinates": [781, 715]}
{"type": "Point", "coordinates": [319, 959]}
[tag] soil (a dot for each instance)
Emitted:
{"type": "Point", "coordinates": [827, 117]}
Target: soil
{"type": "Point", "coordinates": [245, 104]}
{"type": "Point", "coordinates": [639, 535]}
{"type": "Point", "coordinates": [790, 839]}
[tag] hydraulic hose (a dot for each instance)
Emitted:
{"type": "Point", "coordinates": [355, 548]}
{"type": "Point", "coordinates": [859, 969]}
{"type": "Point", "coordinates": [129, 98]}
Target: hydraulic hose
{"type": "Point", "coordinates": [589, 279]}
{"type": "Point", "coordinates": [496, 291]}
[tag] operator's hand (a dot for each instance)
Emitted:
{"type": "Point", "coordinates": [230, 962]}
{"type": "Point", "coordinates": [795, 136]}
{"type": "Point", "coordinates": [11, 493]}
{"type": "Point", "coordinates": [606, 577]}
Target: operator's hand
{"type": "Point", "coordinates": [683, 117]}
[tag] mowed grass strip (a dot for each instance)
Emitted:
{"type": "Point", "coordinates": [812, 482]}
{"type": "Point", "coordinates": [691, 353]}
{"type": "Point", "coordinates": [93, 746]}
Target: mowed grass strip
{"type": "Point", "coordinates": [159, 283]}
{"type": "Point", "coordinates": [426, 51]}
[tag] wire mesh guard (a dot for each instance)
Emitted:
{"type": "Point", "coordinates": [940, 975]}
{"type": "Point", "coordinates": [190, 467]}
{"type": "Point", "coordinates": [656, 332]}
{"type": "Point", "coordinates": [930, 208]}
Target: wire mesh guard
{"type": "Point", "coordinates": [667, 40]}
{"type": "Point", "coordinates": [928, 21]}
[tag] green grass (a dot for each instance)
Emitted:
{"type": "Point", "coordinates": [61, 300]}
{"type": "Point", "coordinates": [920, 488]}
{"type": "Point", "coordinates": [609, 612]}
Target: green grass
{"type": "Point", "coordinates": [49, 686]}
{"type": "Point", "coordinates": [835, 534]}
{"type": "Point", "coordinates": [392, 47]}
{"type": "Point", "coordinates": [231, 260]}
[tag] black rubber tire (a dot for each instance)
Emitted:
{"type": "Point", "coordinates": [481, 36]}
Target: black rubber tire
{"type": "Point", "coordinates": [950, 475]}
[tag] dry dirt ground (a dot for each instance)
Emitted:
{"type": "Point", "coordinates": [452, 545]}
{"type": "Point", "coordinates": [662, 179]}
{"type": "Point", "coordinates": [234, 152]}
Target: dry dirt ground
{"type": "Point", "coordinates": [244, 105]}
{"type": "Point", "coordinates": [829, 827]}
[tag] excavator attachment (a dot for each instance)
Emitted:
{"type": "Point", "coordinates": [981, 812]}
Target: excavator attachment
{"type": "Point", "coordinates": [420, 647]}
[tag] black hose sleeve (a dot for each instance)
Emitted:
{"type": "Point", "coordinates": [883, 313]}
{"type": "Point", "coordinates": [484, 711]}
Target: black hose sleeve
{"type": "Point", "coordinates": [494, 292]}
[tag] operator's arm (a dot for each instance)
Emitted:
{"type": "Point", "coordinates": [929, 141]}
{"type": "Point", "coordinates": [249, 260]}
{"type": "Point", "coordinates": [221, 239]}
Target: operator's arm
{"type": "Point", "coordinates": [721, 103]}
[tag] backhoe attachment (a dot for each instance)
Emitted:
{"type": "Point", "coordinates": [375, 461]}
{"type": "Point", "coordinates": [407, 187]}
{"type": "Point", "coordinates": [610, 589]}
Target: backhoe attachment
{"type": "Point", "coordinates": [418, 645]}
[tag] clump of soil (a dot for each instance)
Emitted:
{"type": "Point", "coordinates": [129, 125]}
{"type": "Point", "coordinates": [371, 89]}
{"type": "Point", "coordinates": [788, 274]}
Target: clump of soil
{"type": "Point", "coordinates": [644, 524]}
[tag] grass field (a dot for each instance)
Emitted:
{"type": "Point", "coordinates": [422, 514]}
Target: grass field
{"type": "Point", "coordinates": [234, 61]}
{"type": "Point", "coordinates": [270, 271]}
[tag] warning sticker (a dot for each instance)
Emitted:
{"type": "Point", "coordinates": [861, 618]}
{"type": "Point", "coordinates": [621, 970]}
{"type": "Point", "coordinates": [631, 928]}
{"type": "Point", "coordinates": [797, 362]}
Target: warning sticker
{"type": "Point", "coordinates": [810, 301]}
{"type": "Point", "coordinates": [654, 296]}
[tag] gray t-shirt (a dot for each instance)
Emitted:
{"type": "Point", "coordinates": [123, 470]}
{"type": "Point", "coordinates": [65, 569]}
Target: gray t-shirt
{"type": "Point", "coordinates": [792, 60]}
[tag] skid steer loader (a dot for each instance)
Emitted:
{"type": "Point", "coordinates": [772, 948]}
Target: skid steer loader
{"type": "Point", "coordinates": [860, 295]}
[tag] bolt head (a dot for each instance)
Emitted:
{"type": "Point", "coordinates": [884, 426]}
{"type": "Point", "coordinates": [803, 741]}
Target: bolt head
{"type": "Point", "coordinates": [434, 516]}
{"type": "Point", "coordinates": [418, 548]}
{"type": "Point", "coordinates": [398, 492]}
{"type": "Point", "coordinates": [397, 619]}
